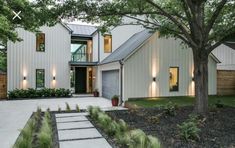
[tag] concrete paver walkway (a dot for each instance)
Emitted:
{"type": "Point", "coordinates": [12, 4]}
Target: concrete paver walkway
{"type": "Point", "coordinates": [15, 114]}
{"type": "Point", "coordinates": [75, 130]}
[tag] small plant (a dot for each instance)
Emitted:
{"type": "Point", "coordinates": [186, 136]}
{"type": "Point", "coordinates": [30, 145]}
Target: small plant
{"type": "Point", "coordinates": [68, 109]}
{"type": "Point", "coordinates": [96, 93]}
{"type": "Point", "coordinates": [170, 108]}
{"type": "Point", "coordinates": [153, 142]}
{"type": "Point", "coordinates": [115, 100]}
{"type": "Point", "coordinates": [45, 134]}
{"type": "Point", "coordinates": [77, 108]}
{"type": "Point", "coordinates": [189, 129]}
{"type": "Point", "coordinates": [219, 104]}
{"type": "Point", "coordinates": [93, 111]}
{"type": "Point", "coordinates": [59, 109]}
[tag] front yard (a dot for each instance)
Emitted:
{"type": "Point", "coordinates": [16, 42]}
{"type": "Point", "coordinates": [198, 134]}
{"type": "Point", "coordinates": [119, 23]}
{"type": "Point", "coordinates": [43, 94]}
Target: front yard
{"type": "Point", "coordinates": [182, 101]}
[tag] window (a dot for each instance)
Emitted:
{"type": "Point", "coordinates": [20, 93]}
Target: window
{"type": "Point", "coordinates": [40, 42]}
{"type": "Point", "coordinates": [174, 78]}
{"type": "Point", "coordinates": [107, 43]}
{"type": "Point", "coordinates": [40, 78]}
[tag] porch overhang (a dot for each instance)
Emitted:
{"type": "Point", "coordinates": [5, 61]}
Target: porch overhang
{"type": "Point", "coordinates": [72, 63]}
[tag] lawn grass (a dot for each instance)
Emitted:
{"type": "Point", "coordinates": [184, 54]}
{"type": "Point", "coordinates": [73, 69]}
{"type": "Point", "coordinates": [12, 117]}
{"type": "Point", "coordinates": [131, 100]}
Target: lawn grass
{"type": "Point", "coordinates": [181, 101]}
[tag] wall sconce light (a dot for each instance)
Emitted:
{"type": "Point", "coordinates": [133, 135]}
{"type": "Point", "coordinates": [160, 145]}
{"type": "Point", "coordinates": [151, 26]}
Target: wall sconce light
{"type": "Point", "coordinates": [24, 78]}
{"type": "Point", "coordinates": [193, 79]}
{"type": "Point", "coordinates": [53, 77]}
{"type": "Point", "coordinates": [154, 79]}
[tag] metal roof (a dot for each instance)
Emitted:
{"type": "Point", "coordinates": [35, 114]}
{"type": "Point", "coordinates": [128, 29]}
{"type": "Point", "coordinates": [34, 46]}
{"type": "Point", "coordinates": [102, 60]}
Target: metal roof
{"type": "Point", "coordinates": [82, 30]}
{"type": "Point", "coordinates": [128, 47]}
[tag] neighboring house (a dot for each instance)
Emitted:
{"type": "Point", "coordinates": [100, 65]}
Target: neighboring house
{"type": "Point", "coordinates": [128, 61]}
{"type": "Point", "coordinates": [226, 69]}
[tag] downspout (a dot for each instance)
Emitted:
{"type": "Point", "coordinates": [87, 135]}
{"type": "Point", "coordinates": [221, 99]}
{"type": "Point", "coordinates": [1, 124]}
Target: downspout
{"type": "Point", "coordinates": [98, 46]}
{"type": "Point", "coordinates": [121, 82]}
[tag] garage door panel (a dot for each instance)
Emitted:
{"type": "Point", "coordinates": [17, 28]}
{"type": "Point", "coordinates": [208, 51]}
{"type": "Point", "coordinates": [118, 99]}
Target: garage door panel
{"type": "Point", "coordinates": [110, 83]}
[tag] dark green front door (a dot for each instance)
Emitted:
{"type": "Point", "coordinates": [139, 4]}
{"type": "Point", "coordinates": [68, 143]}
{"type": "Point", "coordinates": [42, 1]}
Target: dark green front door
{"type": "Point", "coordinates": [80, 80]}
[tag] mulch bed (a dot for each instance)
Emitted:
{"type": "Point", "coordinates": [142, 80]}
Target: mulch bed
{"type": "Point", "coordinates": [217, 131]}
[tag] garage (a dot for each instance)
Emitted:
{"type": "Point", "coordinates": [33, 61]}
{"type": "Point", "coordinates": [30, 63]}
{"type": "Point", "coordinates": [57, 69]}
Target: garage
{"type": "Point", "coordinates": [110, 83]}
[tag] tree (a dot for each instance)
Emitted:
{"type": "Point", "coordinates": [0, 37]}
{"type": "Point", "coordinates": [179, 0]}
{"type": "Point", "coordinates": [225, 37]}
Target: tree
{"type": "Point", "coordinates": [202, 25]}
{"type": "Point", "coordinates": [33, 15]}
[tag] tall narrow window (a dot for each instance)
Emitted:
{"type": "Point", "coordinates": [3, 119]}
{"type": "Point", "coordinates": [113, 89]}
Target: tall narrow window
{"type": "Point", "coordinates": [40, 42]}
{"type": "Point", "coordinates": [174, 78]}
{"type": "Point", "coordinates": [107, 43]}
{"type": "Point", "coordinates": [40, 78]}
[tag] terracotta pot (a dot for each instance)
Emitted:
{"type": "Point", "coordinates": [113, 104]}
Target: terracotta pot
{"type": "Point", "coordinates": [96, 94]}
{"type": "Point", "coordinates": [115, 102]}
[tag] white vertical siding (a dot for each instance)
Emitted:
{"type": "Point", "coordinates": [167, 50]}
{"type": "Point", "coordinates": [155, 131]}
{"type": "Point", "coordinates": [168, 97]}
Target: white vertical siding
{"type": "Point", "coordinates": [23, 60]}
{"type": "Point", "coordinates": [119, 34]}
{"type": "Point", "coordinates": [155, 58]}
{"type": "Point", "coordinates": [227, 57]}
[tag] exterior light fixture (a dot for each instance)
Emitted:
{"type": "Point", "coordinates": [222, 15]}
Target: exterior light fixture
{"type": "Point", "coordinates": [24, 78]}
{"type": "Point", "coordinates": [53, 77]}
{"type": "Point", "coordinates": [193, 79]}
{"type": "Point", "coordinates": [154, 79]}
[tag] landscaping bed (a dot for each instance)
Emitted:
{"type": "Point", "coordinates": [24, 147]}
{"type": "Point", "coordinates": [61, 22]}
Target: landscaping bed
{"type": "Point", "coordinates": [217, 130]}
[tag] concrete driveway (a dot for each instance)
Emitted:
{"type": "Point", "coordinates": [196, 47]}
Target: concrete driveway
{"type": "Point", "coordinates": [15, 114]}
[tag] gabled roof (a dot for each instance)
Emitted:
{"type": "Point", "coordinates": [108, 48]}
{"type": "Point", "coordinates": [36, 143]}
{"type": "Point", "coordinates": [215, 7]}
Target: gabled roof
{"type": "Point", "coordinates": [82, 30]}
{"type": "Point", "coordinates": [128, 47]}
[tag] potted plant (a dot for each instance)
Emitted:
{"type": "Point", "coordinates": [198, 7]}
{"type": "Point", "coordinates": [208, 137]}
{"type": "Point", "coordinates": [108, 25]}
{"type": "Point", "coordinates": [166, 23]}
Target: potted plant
{"type": "Point", "coordinates": [115, 100]}
{"type": "Point", "coordinates": [96, 93]}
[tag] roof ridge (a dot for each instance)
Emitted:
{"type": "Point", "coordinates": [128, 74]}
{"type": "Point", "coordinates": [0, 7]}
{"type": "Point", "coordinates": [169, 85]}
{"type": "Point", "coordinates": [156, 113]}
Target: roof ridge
{"type": "Point", "coordinates": [81, 25]}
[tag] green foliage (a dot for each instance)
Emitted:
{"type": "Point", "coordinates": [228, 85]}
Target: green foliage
{"type": "Point", "coordinates": [42, 93]}
{"type": "Point", "coordinates": [45, 134]}
{"type": "Point", "coordinates": [120, 131]}
{"type": "Point", "coordinates": [219, 104]}
{"type": "Point", "coordinates": [26, 137]}
{"type": "Point", "coordinates": [68, 109]}
{"type": "Point", "coordinates": [59, 109]}
{"type": "Point", "coordinates": [170, 108]}
{"type": "Point", "coordinates": [189, 130]}
{"type": "Point", "coordinates": [33, 15]}
{"type": "Point", "coordinates": [3, 61]}
{"type": "Point", "coordinates": [77, 108]}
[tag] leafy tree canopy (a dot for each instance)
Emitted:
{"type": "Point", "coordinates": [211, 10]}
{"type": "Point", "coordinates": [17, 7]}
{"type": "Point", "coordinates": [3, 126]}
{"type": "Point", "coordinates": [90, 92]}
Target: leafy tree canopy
{"type": "Point", "coordinates": [33, 15]}
{"type": "Point", "coordinates": [196, 22]}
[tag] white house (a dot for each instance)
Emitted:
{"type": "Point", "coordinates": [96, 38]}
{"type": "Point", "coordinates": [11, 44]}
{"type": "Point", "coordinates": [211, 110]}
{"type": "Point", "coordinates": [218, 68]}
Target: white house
{"type": "Point", "coordinates": [129, 61]}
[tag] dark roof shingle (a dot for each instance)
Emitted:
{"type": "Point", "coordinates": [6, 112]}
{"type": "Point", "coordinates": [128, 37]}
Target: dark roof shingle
{"type": "Point", "coordinates": [82, 29]}
{"type": "Point", "coordinates": [128, 47]}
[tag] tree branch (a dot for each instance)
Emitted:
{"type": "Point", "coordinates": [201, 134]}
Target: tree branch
{"type": "Point", "coordinates": [215, 15]}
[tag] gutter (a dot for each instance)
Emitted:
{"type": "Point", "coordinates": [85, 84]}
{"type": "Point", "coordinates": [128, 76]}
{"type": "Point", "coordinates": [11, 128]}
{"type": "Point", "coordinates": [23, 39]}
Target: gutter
{"type": "Point", "coordinates": [121, 82]}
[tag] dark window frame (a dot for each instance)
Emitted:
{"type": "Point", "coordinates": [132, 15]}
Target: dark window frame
{"type": "Point", "coordinates": [43, 78]}
{"type": "Point", "coordinates": [111, 50]}
{"type": "Point", "coordinates": [38, 44]}
{"type": "Point", "coordinates": [178, 69]}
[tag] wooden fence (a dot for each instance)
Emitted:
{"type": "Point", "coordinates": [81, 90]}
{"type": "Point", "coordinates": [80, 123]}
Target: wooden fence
{"type": "Point", "coordinates": [226, 82]}
{"type": "Point", "coordinates": [3, 85]}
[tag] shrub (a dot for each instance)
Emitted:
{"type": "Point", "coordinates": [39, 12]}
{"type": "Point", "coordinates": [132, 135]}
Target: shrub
{"type": "Point", "coordinates": [67, 107]}
{"type": "Point", "coordinates": [42, 93]}
{"type": "Point", "coordinates": [45, 134]}
{"type": "Point", "coordinates": [77, 108]}
{"type": "Point", "coordinates": [219, 104]}
{"type": "Point", "coordinates": [170, 108]}
{"type": "Point", "coordinates": [153, 142]}
{"type": "Point", "coordinates": [26, 137]}
{"type": "Point", "coordinates": [189, 129]}
{"type": "Point", "coordinates": [119, 129]}
{"type": "Point", "coordinates": [59, 109]}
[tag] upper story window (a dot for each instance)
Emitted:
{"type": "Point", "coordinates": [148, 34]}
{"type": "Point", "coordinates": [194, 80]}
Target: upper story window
{"type": "Point", "coordinates": [174, 79]}
{"type": "Point", "coordinates": [40, 78]}
{"type": "Point", "coordinates": [40, 42]}
{"type": "Point", "coordinates": [107, 43]}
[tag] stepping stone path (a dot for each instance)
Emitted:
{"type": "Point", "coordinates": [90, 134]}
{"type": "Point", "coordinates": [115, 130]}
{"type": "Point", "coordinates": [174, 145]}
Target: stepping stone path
{"type": "Point", "coordinates": [76, 131]}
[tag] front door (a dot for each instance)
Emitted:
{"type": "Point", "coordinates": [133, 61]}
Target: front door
{"type": "Point", "coordinates": [80, 80]}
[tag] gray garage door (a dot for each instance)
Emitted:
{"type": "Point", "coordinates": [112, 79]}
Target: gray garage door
{"type": "Point", "coordinates": [110, 83]}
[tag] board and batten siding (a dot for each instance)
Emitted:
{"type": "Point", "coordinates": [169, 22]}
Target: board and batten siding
{"type": "Point", "coordinates": [226, 55]}
{"type": "Point", "coordinates": [153, 59]}
{"type": "Point", "coordinates": [23, 59]}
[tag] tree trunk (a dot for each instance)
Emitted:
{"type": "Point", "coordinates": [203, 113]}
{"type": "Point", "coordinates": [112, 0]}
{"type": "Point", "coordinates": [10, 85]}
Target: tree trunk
{"type": "Point", "coordinates": [201, 83]}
